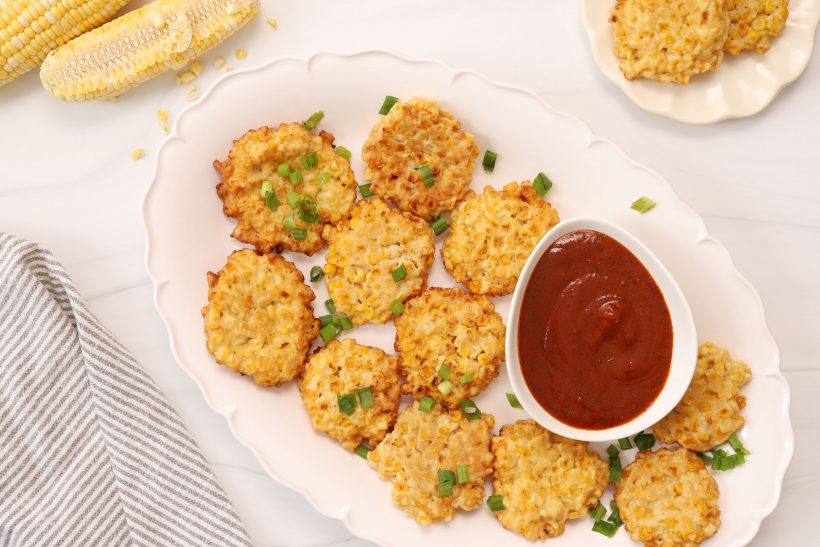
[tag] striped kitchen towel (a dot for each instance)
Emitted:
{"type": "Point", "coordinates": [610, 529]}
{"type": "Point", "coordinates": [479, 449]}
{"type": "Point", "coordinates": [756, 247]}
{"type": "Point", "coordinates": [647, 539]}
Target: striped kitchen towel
{"type": "Point", "coordinates": [91, 453]}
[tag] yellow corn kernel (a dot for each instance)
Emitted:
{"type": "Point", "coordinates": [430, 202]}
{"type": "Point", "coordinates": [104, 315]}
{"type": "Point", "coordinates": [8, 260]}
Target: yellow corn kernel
{"type": "Point", "coordinates": [219, 62]}
{"type": "Point", "coordinates": [273, 22]}
{"type": "Point", "coordinates": [195, 68]}
{"type": "Point", "coordinates": [137, 154]}
{"type": "Point", "coordinates": [241, 53]}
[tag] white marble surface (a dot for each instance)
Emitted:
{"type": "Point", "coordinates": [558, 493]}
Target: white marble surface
{"type": "Point", "coordinates": [68, 182]}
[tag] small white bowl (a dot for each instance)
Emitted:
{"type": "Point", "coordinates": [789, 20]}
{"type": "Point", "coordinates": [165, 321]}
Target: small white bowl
{"type": "Point", "coordinates": [684, 343]}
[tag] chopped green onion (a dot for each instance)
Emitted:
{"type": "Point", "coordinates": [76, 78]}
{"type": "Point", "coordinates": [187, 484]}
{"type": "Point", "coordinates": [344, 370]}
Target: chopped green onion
{"type": "Point", "coordinates": [615, 469]}
{"type": "Point", "coordinates": [295, 177]}
{"type": "Point", "coordinates": [704, 456]}
{"type": "Point", "coordinates": [322, 178]}
{"type": "Point", "coordinates": [615, 517]}
{"type": "Point", "coordinates": [606, 528]}
{"type": "Point", "coordinates": [288, 223]}
{"type": "Point", "coordinates": [267, 188]}
{"type": "Point", "coordinates": [308, 211]}
{"type": "Point", "coordinates": [612, 450]}
{"type": "Point", "coordinates": [316, 274]}
{"type": "Point", "coordinates": [466, 378]}
{"type": "Point", "coordinates": [496, 503]}
{"type": "Point", "coordinates": [542, 184]}
{"type": "Point", "coordinates": [362, 451]}
{"type": "Point", "coordinates": [624, 443]}
{"type": "Point", "coordinates": [462, 474]}
{"type": "Point", "coordinates": [328, 332]}
{"type": "Point", "coordinates": [325, 320]}
{"type": "Point", "coordinates": [345, 323]}
{"type": "Point", "coordinates": [440, 225]}
{"type": "Point", "coordinates": [293, 198]}
{"type": "Point", "coordinates": [598, 513]}
{"type": "Point", "coordinates": [284, 170]}
{"type": "Point", "coordinates": [314, 119]}
{"type": "Point", "coordinates": [644, 441]}
{"type": "Point", "coordinates": [397, 307]}
{"type": "Point", "coordinates": [427, 175]}
{"type": "Point", "coordinates": [365, 191]}
{"type": "Point", "coordinates": [443, 371]}
{"type": "Point", "coordinates": [337, 322]}
{"type": "Point", "coordinates": [365, 397]}
{"type": "Point", "coordinates": [299, 234]}
{"type": "Point", "coordinates": [737, 446]}
{"type": "Point", "coordinates": [343, 152]}
{"type": "Point", "coordinates": [388, 103]}
{"type": "Point", "coordinates": [427, 404]}
{"type": "Point", "coordinates": [513, 400]}
{"type": "Point", "coordinates": [489, 160]}
{"type": "Point", "coordinates": [271, 202]}
{"type": "Point", "coordinates": [347, 404]}
{"type": "Point", "coordinates": [445, 387]}
{"type": "Point", "coordinates": [399, 273]}
{"type": "Point", "coordinates": [331, 307]}
{"type": "Point", "coordinates": [643, 204]}
{"type": "Point", "coordinates": [309, 161]}
{"type": "Point", "coordinates": [446, 479]}
{"type": "Point", "coordinates": [470, 410]}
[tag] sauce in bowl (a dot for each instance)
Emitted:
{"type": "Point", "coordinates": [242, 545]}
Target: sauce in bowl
{"type": "Point", "coordinates": [595, 334]}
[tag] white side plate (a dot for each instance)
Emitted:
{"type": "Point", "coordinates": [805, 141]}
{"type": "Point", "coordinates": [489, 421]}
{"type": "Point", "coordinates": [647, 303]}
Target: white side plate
{"type": "Point", "coordinates": [188, 235]}
{"type": "Point", "coordinates": [742, 85]}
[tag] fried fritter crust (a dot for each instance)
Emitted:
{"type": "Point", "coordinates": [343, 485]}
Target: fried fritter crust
{"type": "Point", "coordinates": [669, 40]}
{"type": "Point", "coordinates": [668, 498]}
{"type": "Point", "coordinates": [259, 320]}
{"type": "Point", "coordinates": [544, 479]}
{"type": "Point", "coordinates": [420, 445]}
{"type": "Point", "coordinates": [753, 23]}
{"type": "Point", "coordinates": [365, 250]}
{"type": "Point", "coordinates": [709, 412]}
{"type": "Point", "coordinates": [340, 368]}
{"type": "Point", "coordinates": [492, 234]}
{"type": "Point", "coordinates": [255, 158]}
{"type": "Point", "coordinates": [452, 327]}
{"type": "Point", "coordinates": [410, 135]}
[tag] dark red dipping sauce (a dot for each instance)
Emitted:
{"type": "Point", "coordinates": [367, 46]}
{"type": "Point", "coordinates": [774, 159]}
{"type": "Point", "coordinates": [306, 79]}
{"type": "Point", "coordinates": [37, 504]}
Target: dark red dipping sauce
{"type": "Point", "coordinates": [595, 335]}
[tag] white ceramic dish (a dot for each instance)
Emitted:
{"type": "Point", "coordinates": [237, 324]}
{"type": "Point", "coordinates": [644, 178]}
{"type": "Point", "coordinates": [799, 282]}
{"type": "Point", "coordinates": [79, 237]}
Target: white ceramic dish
{"type": "Point", "coordinates": [741, 86]}
{"type": "Point", "coordinates": [187, 235]}
{"type": "Point", "coordinates": [684, 349]}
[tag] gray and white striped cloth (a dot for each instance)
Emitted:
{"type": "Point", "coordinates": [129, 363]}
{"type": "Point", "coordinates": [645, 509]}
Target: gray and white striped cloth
{"type": "Point", "coordinates": [91, 453]}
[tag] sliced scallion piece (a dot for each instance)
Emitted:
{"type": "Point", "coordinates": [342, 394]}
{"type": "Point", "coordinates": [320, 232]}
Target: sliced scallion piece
{"type": "Point", "coordinates": [283, 170]}
{"type": "Point", "coordinates": [446, 480]}
{"type": "Point", "coordinates": [295, 177]}
{"type": "Point", "coordinates": [345, 323]}
{"type": "Point", "coordinates": [513, 400]}
{"type": "Point", "coordinates": [612, 450]}
{"type": "Point", "coordinates": [399, 273]}
{"type": "Point", "coordinates": [542, 184]}
{"type": "Point", "coordinates": [427, 404]}
{"type": "Point", "coordinates": [615, 516]}
{"type": "Point", "coordinates": [427, 175]}
{"type": "Point", "coordinates": [322, 178]}
{"type": "Point", "coordinates": [325, 320]}
{"type": "Point", "coordinates": [288, 223]}
{"type": "Point", "coordinates": [606, 528]}
{"type": "Point", "coordinates": [470, 410]}
{"type": "Point", "coordinates": [737, 446]}
{"type": "Point", "coordinates": [443, 371]}
{"type": "Point", "coordinates": [299, 234]}
{"type": "Point", "coordinates": [624, 443]}
{"type": "Point", "coordinates": [314, 119]}
{"type": "Point", "coordinates": [644, 441]}
{"type": "Point", "coordinates": [308, 211]}
{"type": "Point", "coordinates": [328, 332]}
{"type": "Point", "coordinates": [316, 274]}
{"type": "Point", "coordinates": [331, 307]}
{"type": "Point", "coordinates": [388, 103]}
{"type": "Point", "coordinates": [495, 503]}
{"type": "Point", "coordinates": [365, 191]}
{"type": "Point", "coordinates": [343, 152]}
{"type": "Point", "coordinates": [293, 198]}
{"type": "Point", "coordinates": [707, 459]}
{"type": "Point", "coordinates": [347, 404]}
{"type": "Point", "coordinates": [615, 469]}
{"type": "Point", "coordinates": [466, 378]}
{"type": "Point", "coordinates": [643, 204]}
{"type": "Point", "coordinates": [397, 307]}
{"type": "Point", "coordinates": [445, 387]}
{"type": "Point", "coordinates": [598, 513]}
{"type": "Point", "coordinates": [365, 397]}
{"type": "Point", "coordinates": [271, 202]}
{"type": "Point", "coordinates": [440, 225]}
{"type": "Point", "coordinates": [489, 160]}
{"type": "Point", "coordinates": [462, 474]}
{"type": "Point", "coordinates": [362, 451]}
{"type": "Point", "coordinates": [309, 161]}
{"type": "Point", "coordinates": [267, 187]}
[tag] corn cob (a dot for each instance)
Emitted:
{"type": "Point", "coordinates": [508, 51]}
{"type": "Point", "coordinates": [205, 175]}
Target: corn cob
{"type": "Point", "coordinates": [29, 30]}
{"type": "Point", "coordinates": [144, 43]}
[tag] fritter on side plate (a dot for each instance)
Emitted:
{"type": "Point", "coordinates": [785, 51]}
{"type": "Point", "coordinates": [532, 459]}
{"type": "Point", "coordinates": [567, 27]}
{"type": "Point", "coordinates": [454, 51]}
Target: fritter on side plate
{"type": "Point", "coordinates": [753, 23]}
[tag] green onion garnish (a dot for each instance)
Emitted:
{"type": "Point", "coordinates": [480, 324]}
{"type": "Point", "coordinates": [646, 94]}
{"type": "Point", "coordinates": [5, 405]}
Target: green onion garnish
{"type": "Point", "coordinates": [299, 234]}
{"type": "Point", "coordinates": [598, 513]}
{"type": "Point", "coordinates": [513, 400]}
{"type": "Point", "coordinates": [427, 404]}
{"type": "Point", "coordinates": [322, 178]}
{"type": "Point", "coordinates": [466, 378]}
{"type": "Point", "coordinates": [615, 469]}
{"type": "Point", "coordinates": [365, 397]}
{"type": "Point", "coordinates": [288, 223]}
{"type": "Point", "coordinates": [325, 320]}
{"type": "Point", "coordinates": [462, 474]}
{"type": "Point", "coordinates": [489, 160]}
{"type": "Point", "coordinates": [615, 517]}
{"type": "Point", "coordinates": [284, 170]}
{"type": "Point", "coordinates": [295, 177]}
{"type": "Point", "coordinates": [308, 211]}
{"type": "Point", "coordinates": [612, 450]}
{"type": "Point", "coordinates": [542, 184]}
{"type": "Point", "coordinates": [624, 443]}
{"type": "Point", "coordinates": [293, 198]}
{"type": "Point", "coordinates": [495, 503]}
{"type": "Point", "coordinates": [271, 202]}
{"type": "Point", "coordinates": [445, 387]}
{"type": "Point", "coordinates": [427, 175]}
{"type": "Point", "coordinates": [362, 451]}
{"type": "Point", "coordinates": [446, 479]}
{"type": "Point", "coordinates": [267, 188]}
{"type": "Point", "coordinates": [470, 410]}
{"type": "Point", "coordinates": [343, 152]}
{"type": "Point", "coordinates": [347, 404]}
{"type": "Point", "coordinates": [606, 528]}
{"type": "Point", "coordinates": [365, 191]}
{"type": "Point", "coordinates": [399, 273]}
{"type": "Point", "coordinates": [336, 320]}
{"type": "Point", "coordinates": [443, 371]}
{"type": "Point", "coordinates": [397, 307]}
{"type": "Point", "coordinates": [328, 332]}
{"type": "Point", "coordinates": [331, 307]}
{"type": "Point", "coordinates": [440, 225]}
{"type": "Point", "coordinates": [309, 161]}
{"type": "Point", "coordinates": [316, 274]}
{"type": "Point", "coordinates": [643, 204]}
{"type": "Point", "coordinates": [314, 119]}
{"type": "Point", "coordinates": [388, 103]}
{"type": "Point", "coordinates": [345, 323]}
{"type": "Point", "coordinates": [737, 446]}
{"type": "Point", "coordinates": [707, 459]}
{"type": "Point", "coordinates": [644, 441]}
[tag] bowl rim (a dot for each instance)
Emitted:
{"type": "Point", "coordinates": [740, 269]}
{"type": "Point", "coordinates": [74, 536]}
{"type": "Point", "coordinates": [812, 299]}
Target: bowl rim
{"type": "Point", "coordinates": [684, 344]}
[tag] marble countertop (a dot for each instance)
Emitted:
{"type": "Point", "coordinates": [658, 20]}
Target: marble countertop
{"type": "Point", "coordinates": [68, 183]}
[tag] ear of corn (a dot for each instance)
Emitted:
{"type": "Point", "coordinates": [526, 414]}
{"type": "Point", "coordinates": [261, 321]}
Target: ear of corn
{"type": "Point", "coordinates": [158, 37]}
{"type": "Point", "coordinates": [30, 29]}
